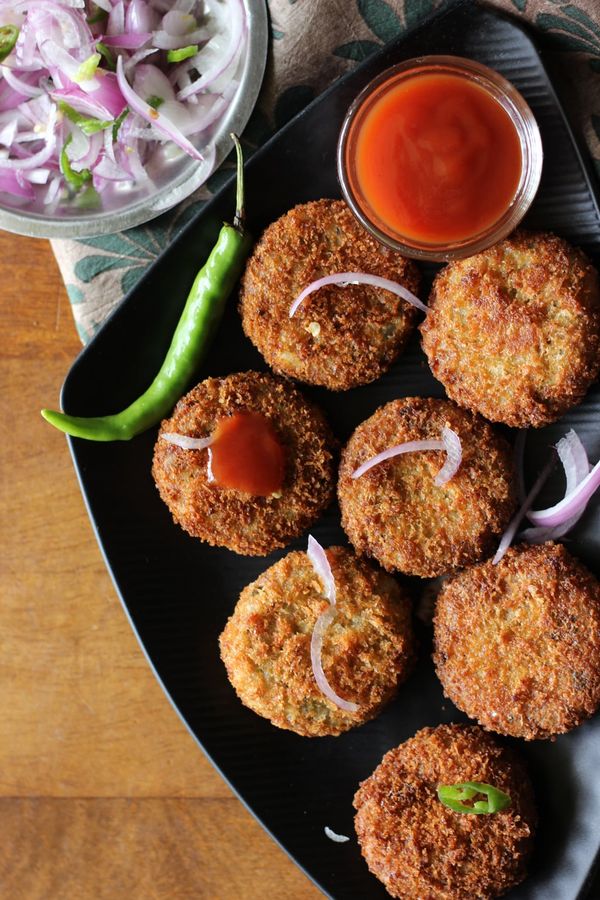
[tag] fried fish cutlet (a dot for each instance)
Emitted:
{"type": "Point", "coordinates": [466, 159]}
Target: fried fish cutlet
{"type": "Point", "coordinates": [224, 517]}
{"type": "Point", "coordinates": [368, 649]}
{"type": "Point", "coordinates": [517, 644]}
{"type": "Point", "coordinates": [396, 513]}
{"type": "Point", "coordinates": [340, 337]}
{"type": "Point", "coordinates": [422, 850]}
{"type": "Point", "coordinates": [514, 332]}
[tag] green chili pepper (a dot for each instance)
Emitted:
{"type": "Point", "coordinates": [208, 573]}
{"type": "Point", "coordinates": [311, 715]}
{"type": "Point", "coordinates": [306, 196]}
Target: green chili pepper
{"type": "Point", "coordinates": [87, 69]}
{"type": "Point", "coordinates": [118, 122]}
{"type": "Point", "coordinates": [154, 101]}
{"type": "Point", "coordinates": [87, 199]}
{"type": "Point", "coordinates": [454, 795]}
{"type": "Point", "coordinates": [175, 56]}
{"type": "Point", "coordinates": [74, 179]}
{"type": "Point", "coordinates": [199, 319]}
{"type": "Point", "coordinates": [100, 16]}
{"type": "Point", "coordinates": [109, 56]}
{"type": "Point", "coordinates": [87, 125]}
{"type": "Point", "coordinates": [8, 39]}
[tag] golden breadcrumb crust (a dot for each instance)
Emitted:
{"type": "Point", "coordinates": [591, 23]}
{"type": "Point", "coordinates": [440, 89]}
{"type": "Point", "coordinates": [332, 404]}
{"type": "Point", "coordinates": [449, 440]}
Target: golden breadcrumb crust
{"type": "Point", "coordinates": [397, 514]}
{"type": "Point", "coordinates": [421, 849]}
{"type": "Point", "coordinates": [367, 650]}
{"type": "Point", "coordinates": [514, 332]}
{"type": "Point", "coordinates": [340, 337]}
{"type": "Point", "coordinates": [229, 518]}
{"type": "Point", "coordinates": [517, 645]}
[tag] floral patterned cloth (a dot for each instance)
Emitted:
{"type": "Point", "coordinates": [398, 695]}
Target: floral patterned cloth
{"type": "Point", "coordinates": [314, 42]}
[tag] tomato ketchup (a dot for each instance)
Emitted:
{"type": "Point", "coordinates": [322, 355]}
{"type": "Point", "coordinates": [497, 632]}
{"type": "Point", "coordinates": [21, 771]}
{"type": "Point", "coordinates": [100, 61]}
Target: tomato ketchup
{"type": "Point", "coordinates": [247, 455]}
{"type": "Point", "coordinates": [437, 158]}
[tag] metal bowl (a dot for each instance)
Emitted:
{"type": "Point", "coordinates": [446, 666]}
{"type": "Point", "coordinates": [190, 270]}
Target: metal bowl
{"type": "Point", "coordinates": [173, 179]}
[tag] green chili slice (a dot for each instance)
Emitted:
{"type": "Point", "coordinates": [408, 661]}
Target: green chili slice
{"type": "Point", "coordinates": [100, 16]}
{"type": "Point", "coordinates": [87, 68]}
{"type": "Point", "coordinates": [109, 56]}
{"type": "Point", "coordinates": [87, 199]}
{"type": "Point", "coordinates": [155, 101]}
{"type": "Point", "coordinates": [175, 56]}
{"type": "Point", "coordinates": [75, 179]}
{"type": "Point", "coordinates": [454, 796]}
{"type": "Point", "coordinates": [8, 39]}
{"type": "Point", "coordinates": [87, 125]}
{"type": "Point", "coordinates": [118, 122]}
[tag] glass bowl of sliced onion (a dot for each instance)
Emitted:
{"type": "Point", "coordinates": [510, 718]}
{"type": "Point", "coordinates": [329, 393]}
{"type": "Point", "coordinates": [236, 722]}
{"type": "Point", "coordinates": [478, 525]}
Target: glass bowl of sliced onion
{"type": "Point", "coordinates": [114, 111]}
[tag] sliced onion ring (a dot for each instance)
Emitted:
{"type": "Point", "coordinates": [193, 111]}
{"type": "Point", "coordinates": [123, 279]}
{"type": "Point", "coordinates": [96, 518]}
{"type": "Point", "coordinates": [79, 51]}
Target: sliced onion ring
{"type": "Point", "coordinates": [10, 183]}
{"type": "Point", "coordinates": [576, 464]}
{"type": "Point", "coordinates": [320, 564]}
{"type": "Point", "coordinates": [139, 16]}
{"type": "Point", "coordinates": [316, 648]}
{"type": "Point", "coordinates": [516, 520]}
{"type": "Point", "coordinates": [164, 41]}
{"type": "Point", "coordinates": [451, 443]}
{"type": "Point", "coordinates": [37, 159]}
{"type": "Point", "coordinates": [338, 838]}
{"type": "Point", "coordinates": [572, 503]}
{"type": "Point", "coordinates": [345, 278]}
{"type": "Point", "coordinates": [186, 442]}
{"type": "Point", "coordinates": [127, 41]}
{"type": "Point", "coordinates": [453, 448]}
{"type": "Point", "coordinates": [159, 122]}
{"type": "Point", "coordinates": [20, 85]}
{"type": "Point", "coordinates": [207, 78]}
{"type": "Point", "coordinates": [574, 458]}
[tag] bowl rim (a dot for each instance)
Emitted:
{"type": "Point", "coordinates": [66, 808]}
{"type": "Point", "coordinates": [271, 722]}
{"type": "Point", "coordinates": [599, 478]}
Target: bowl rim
{"type": "Point", "coordinates": [192, 174]}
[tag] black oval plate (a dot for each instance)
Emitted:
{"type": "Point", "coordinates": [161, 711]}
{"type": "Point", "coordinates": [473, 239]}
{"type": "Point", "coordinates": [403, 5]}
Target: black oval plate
{"type": "Point", "coordinates": [178, 592]}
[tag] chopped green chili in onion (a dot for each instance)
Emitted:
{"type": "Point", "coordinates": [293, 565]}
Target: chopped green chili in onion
{"type": "Point", "coordinates": [83, 40]}
{"type": "Point", "coordinates": [175, 56]}
{"type": "Point", "coordinates": [118, 122]}
{"type": "Point", "coordinates": [87, 199]}
{"type": "Point", "coordinates": [109, 56]}
{"type": "Point", "coordinates": [454, 796]}
{"type": "Point", "coordinates": [87, 69]}
{"type": "Point", "coordinates": [8, 39]}
{"type": "Point", "coordinates": [87, 125]}
{"type": "Point", "coordinates": [74, 179]}
{"type": "Point", "coordinates": [100, 16]}
{"type": "Point", "coordinates": [155, 101]}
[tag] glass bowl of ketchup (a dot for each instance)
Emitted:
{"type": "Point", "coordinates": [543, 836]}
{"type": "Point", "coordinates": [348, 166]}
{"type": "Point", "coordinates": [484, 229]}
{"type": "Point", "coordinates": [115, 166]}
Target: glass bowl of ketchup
{"type": "Point", "coordinates": [439, 157]}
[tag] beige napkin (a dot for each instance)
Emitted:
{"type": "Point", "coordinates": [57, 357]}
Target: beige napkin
{"type": "Point", "coordinates": [313, 43]}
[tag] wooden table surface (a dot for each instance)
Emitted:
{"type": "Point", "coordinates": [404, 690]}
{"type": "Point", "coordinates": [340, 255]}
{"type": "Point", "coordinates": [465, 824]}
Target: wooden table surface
{"type": "Point", "coordinates": [103, 793]}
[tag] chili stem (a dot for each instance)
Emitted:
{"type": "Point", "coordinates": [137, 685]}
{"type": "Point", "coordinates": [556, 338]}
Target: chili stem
{"type": "Point", "coordinates": [240, 215]}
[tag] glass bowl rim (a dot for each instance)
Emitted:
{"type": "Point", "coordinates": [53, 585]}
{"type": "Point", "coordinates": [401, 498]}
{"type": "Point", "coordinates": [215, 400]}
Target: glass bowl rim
{"type": "Point", "coordinates": [532, 156]}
